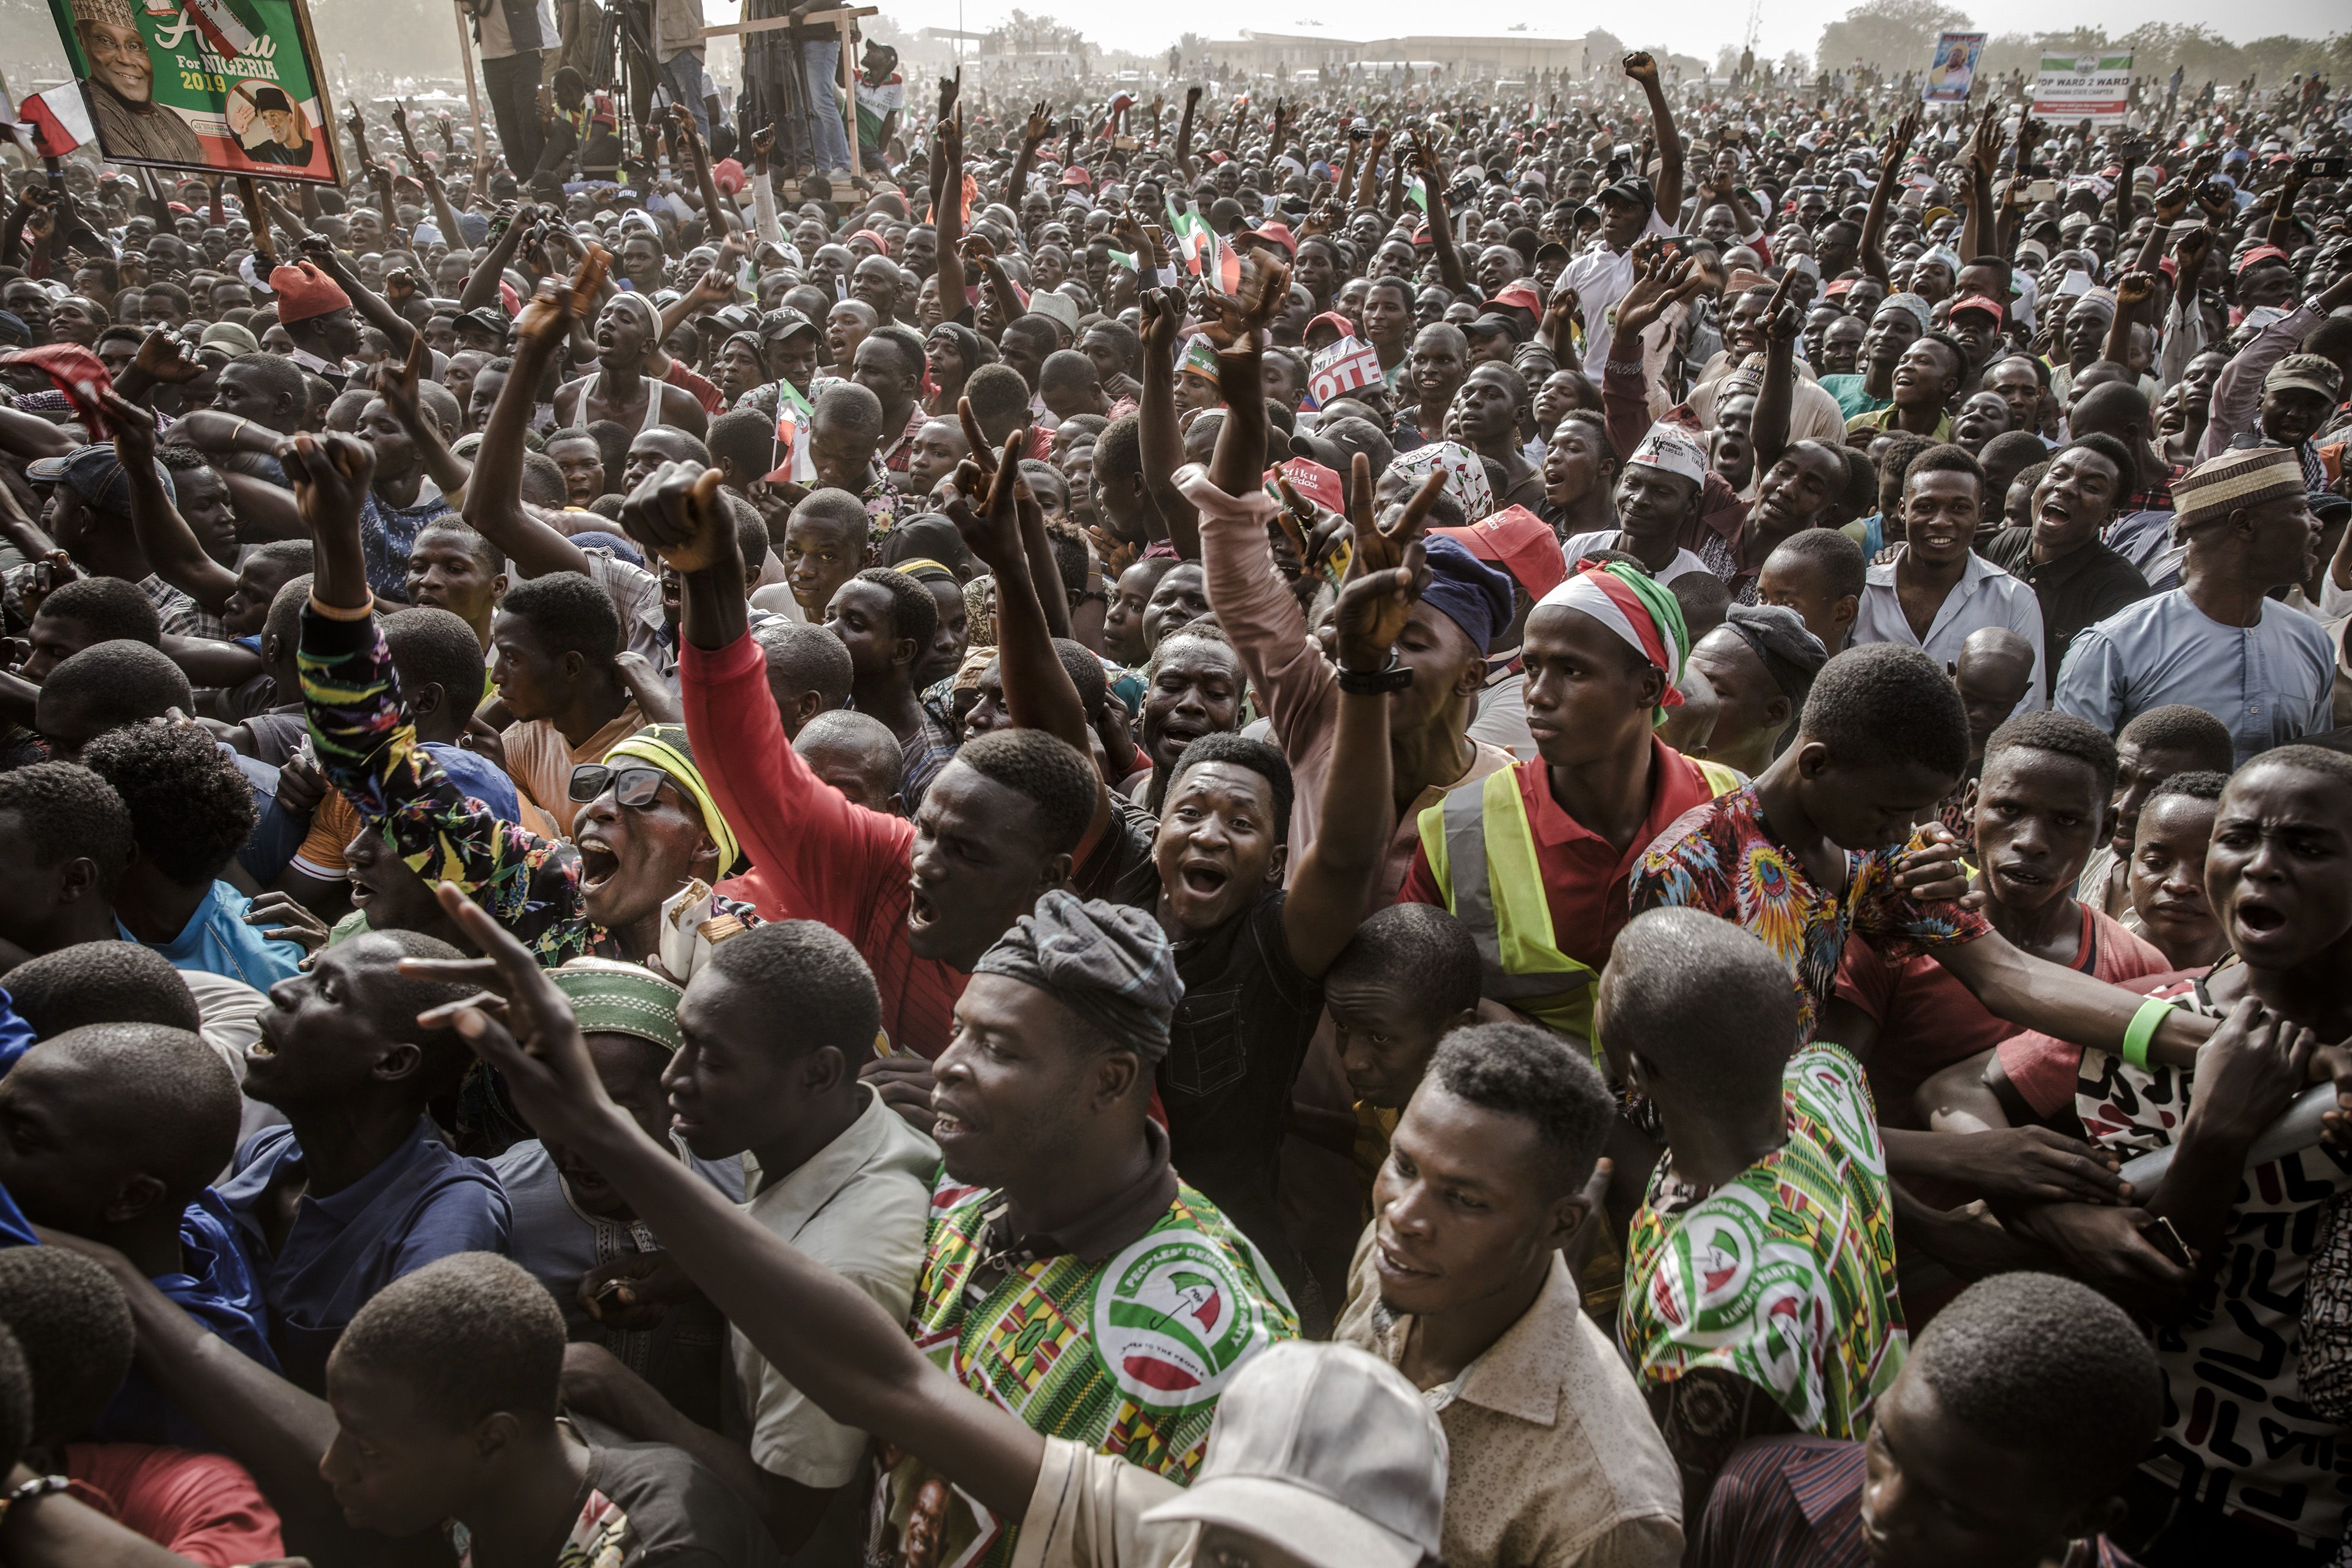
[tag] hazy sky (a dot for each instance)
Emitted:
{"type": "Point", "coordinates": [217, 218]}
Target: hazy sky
{"type": "Point", "coordinates": [1698, 28]}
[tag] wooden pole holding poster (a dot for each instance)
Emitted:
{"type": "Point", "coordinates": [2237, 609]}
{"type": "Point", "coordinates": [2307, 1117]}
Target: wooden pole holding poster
{"type": "Point", "coordinates": [473, 100]}
{"type": "Point", "coordinates": [845, 24]}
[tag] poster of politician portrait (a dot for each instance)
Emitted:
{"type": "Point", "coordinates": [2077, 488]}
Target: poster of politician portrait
{"type": "Point", "coordinates": [225, 86]}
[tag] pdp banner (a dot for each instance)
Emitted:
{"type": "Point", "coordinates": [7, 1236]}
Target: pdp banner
{"type": "Point", "coordinates": [220, 86]}
{"type": "Point", "coordinates": [2093, 87]}
{"type": "Point", "coordinates": [1953, 72]}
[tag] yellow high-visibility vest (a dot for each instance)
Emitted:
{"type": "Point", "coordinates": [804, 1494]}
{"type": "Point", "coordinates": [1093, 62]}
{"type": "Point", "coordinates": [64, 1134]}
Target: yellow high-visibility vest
{"type": "Point", "coordinates": [1482, 852]}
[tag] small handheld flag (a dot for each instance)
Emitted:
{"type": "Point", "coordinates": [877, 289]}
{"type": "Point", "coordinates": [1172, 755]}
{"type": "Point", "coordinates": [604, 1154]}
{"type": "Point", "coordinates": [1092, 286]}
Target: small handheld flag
{"type": "Point", "coordinates": [793, 462]}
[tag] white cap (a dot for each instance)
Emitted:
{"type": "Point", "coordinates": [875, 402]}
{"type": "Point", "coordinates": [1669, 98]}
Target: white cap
{"type": "Point", "coordinates": [1327, 1452]}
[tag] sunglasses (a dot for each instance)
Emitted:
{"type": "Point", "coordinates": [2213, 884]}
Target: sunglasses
{"type": "Point", "coordinates": [631, 786]}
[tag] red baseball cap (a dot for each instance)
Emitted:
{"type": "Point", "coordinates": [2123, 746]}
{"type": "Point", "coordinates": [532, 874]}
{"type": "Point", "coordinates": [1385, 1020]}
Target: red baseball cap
{"type": "Point", "coordinates": [1521, 293]}
{"type": "Point", "coordinates": [1520, 543]}
{"type": "Point", "coordinates": [2261, 253]}
{"type": "Point", "coordinates": [1313, 481]}
{"type": "Point", "coordinates": [1272, 233]}
{"type": "Point", "coordinates": [1985, 303]}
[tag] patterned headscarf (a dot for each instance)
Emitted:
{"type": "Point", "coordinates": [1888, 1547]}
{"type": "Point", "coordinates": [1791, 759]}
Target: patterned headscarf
{"type": "Point", "coordinates": [1111, 965]}
{"type": "Point", "coordinates": [1465, 475]}
{"type": "Point", "coordinates": [1638, 608]}
{"type": "Point", "coordinates": [665, 746]}
{"type": "Point", "coordinates": [979, 611]}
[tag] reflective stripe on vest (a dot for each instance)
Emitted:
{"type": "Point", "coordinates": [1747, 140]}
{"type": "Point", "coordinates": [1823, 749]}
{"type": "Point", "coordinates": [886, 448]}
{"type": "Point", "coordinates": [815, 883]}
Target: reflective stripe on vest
{"type": "Point", "coordinates": [1482, 852]}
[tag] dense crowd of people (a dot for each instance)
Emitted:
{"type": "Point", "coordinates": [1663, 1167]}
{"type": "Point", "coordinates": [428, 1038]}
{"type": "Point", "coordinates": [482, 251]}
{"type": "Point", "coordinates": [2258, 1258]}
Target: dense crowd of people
{"type": "Point", "coordinates": [1353, 828]}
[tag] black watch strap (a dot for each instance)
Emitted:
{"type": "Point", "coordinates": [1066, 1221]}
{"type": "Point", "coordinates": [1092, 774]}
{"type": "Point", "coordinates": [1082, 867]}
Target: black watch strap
{"type": "Point", "coordinates": [1396, 677]}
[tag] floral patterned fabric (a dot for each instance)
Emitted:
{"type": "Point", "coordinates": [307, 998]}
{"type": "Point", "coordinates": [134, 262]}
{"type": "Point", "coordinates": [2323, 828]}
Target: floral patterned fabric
{"type": "Point", "coordinates": [1723, 858]}
{"type": "Point", "coordinates": [1784, 1275]}
{"type": "Point", "coordinates": [367, 747]}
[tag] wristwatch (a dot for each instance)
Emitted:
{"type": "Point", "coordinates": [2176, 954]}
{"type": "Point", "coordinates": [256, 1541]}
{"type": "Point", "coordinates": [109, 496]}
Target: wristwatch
{"type": "Point", "coordinates": [38, 1487]}
{"type": "Point", "coordinates": [1394, 676]}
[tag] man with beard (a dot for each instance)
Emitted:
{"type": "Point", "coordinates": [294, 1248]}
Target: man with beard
{"type": "Point", "coordinates": [2217, 642]}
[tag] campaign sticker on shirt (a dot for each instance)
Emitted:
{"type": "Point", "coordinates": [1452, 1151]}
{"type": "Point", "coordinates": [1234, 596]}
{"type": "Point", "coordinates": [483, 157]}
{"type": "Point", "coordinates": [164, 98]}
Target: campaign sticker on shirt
{"type": "Point", "coordinates": [1172, 1321]}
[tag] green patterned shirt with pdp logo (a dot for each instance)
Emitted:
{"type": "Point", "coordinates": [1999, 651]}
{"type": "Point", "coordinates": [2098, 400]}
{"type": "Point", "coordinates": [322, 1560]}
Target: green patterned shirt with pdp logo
{"type": "Point", "coordinates": [1127, 1355]}
{"type": "Point", "coordinates": [1785, 1274]}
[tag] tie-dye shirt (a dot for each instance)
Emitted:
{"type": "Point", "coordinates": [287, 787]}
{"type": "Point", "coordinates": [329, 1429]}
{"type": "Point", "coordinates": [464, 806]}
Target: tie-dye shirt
{"type": "Point", "coordinates": [1723, 858]}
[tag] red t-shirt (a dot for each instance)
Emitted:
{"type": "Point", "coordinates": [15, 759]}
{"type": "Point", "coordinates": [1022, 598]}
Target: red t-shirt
{"type": "Point", "coordinates": [704, 392]}
{"type": "Point", "coordinates": [205, 1507]}
{"type": "Point", "coordinates": [1927, 1019]}
{"type": "Point", "coordinates": [814, 856]}
{"type": "Point", "coordinates": [1587, 883]}
{"type": "Point", "coordinates": [2042, 1069]}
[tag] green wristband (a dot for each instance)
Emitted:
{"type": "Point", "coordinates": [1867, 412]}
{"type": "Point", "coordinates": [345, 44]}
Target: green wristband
{"type": "Point", "coordinates": [2142, 1030]}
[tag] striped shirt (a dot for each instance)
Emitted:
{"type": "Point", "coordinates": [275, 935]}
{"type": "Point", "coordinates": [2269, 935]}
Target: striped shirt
{"type": "Point", "coordinates": [1796, 1502]}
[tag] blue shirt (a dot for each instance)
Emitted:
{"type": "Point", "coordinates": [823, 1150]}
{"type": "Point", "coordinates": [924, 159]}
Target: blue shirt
{"type": "Point", "coordinates": [424, 1202]}
{"type": "Point", "coordinates": [218, 1289]}
{"type": "Point", "coordinates": [2271, 683]}
{"type": "Point", "coordinates": [387, 533]}
{"type": "Point", "coordinates": [16, 1034]}
{"type": "Point", "coordinates": [217, 941]}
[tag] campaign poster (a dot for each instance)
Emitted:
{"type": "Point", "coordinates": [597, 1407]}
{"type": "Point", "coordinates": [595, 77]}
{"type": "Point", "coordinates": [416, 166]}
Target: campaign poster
{"type": "Point", "coordinates": [2075, 87]}
{"type": "Point", "coordinates": [221, 87]}
{"type": "Point", "coordinates": [1954, 69]}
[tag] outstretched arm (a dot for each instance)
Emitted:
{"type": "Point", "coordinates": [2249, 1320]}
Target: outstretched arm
{"type": "Point", "coordinates": [1038, 693]}
{"type": "Point", "coordinates": [1334, 883]}
{"type": "Point", "coordinates": [1768, 433]}
{"type": "Point", "coordinates": [2282, 229]}
{"type": "Point", "coordinates": [1441, 225]}
{"type": "Point", "coordinates": [1158, 440]}
{"type": "Point", "coordinates": [1984, 153]}
{"type": "Point", "coordinates": [1032, 136]}
{"type": "Point", "coordinates": [397, 384]}
{"type": "Point", "coordinates": [494, 498]}
{"type": "Point", "coordinates": [373, 307]}
{"type": "Point", "coordinates": [1644, 69]}
{"type": "Point", "coordinates": [2033, 993]}
{"type": "Point", "coordinates": [826, 1335]}
{"type": "Point", "coordinates": [1874, 223]}
{"type": "Point", "coordinates": [2133, 290]}
{"type": "Point", "coordinates": [164, 535]}
{"type": "Point", "coordinates": [481, 289]}
{"type": "Point", "coordinates": [947, 209]}
{"type": "Point", "coordinates": [444, 214]}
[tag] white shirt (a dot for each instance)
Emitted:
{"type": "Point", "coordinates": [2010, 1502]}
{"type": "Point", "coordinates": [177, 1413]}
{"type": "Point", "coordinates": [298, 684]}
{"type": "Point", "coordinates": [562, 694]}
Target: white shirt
{"type": "Point", "coordinates": [1502, 717]}
{"type": "Point", "coordinates": [1985, 596]}
{"type": "Point", "coordinates": [860, 1207]}
{"type": "Point", "coordinates": [1601, 278]}
{"type": "Point", "coordinates": [1581, 545]}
